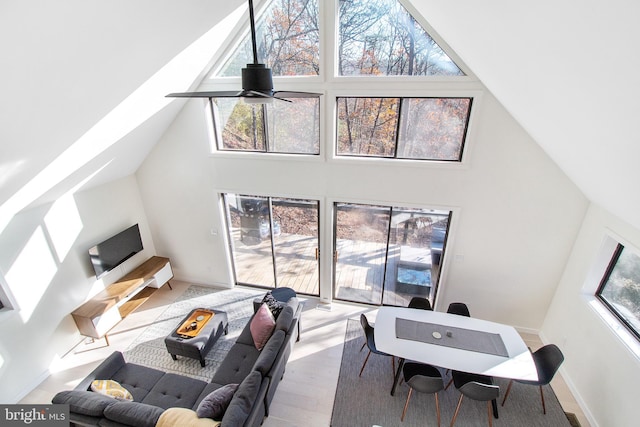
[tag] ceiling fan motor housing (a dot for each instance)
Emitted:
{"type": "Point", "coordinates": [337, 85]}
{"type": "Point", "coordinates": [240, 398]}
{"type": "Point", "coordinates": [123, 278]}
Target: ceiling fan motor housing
{"type": "Point", "coordinates": [257, 77]}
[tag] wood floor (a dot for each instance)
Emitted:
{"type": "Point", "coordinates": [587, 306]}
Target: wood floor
{"type": "Point", "coordinates": [305, 395]}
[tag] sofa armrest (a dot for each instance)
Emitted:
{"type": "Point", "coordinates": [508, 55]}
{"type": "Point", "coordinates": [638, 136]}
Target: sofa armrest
{"type": "Point", "coordinates": [103, 371]}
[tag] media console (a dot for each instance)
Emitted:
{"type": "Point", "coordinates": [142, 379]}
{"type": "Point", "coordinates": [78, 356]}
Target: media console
{"type": "Point", "coordinates": [96, 317]}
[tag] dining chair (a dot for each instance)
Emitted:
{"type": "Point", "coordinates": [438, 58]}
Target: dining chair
{"type": "Point", "coordinates": [369, 335]}
{"type": "Point", "coordinates": [547, 359]}
{"type": "Point", "coordinates": [459, 308]}
{"type": "Point", "coordinates": [476, 387]}
{"type": "Point", "coordinates": [424, 379]}
{"type": "Point", "coordinates": [421, 303]}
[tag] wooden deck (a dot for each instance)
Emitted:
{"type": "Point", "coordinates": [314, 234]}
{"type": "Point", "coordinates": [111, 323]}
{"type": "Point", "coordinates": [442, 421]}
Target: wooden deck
{"type": "Point", "coordinates": [359, 271]}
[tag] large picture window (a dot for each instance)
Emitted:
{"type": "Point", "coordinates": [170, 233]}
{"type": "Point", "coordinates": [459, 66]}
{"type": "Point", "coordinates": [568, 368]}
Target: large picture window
{"type": "Point", "coordinates": [403, 128]}
{"type": "Point", "coordinates": [620, 288]}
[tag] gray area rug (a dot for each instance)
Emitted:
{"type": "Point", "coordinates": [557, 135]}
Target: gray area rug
{"type": "Point", "coordinates": [366, 401]}
{"type": "Point", "coordinates": [149, 348]}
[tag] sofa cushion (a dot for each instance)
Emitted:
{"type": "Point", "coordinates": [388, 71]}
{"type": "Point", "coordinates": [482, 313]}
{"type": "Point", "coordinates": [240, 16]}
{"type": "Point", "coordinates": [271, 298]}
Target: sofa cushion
{"type": "Point", "coordinates": [262, 326]}
{"type": "Point", "coordinates": [269, 352]}
{"type": "Point", "coordinates": [215, 404]}
{"type": "Point", "coordinates": [133, 413]}
{"type": "Point", "coordinates": [174, 390]}
{"type": "Point", "coordinates": [138, 379]}
{"type": "Point", "coordinates": [84, 402]}
{"type": "Point", "coordinates": [284, 320]}
{"type": "Point", "coordinates": [243, 400]}
{"type": "Point", "coordinates": [236, 364]}
{"type": "Point", "coordinates": [182, 417]}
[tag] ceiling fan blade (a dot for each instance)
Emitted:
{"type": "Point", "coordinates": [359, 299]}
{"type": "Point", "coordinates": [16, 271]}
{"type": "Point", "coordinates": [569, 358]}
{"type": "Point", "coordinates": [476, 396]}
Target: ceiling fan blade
{"type": "Point", "coordinates": [292, 94]}
{"type": "Point", "coordinates": [211, 94]}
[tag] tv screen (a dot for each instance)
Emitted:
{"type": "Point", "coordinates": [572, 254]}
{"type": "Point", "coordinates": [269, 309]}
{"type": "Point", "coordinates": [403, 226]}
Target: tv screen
{"type": "Point", "coordinates": [115, 250]}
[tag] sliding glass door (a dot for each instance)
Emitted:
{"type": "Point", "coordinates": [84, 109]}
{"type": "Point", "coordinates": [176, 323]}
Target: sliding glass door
{"type": "Point", "coordinates": [386, 254]}
{"type": "Point", "coordinates": [274, 241]}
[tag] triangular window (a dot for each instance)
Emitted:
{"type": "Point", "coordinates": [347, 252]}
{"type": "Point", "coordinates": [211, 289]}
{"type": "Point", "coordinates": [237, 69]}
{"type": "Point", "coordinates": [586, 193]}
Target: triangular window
{"type": "Point", "coordinates": [380, 37]}
{"type": "Point", "coordinates": [288, 41]}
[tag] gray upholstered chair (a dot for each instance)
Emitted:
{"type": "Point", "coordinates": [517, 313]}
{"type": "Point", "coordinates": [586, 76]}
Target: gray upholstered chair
{"type": "Point", "coordinates": [548, 360]}
{"type": "Point", "coordinates": [424, 379]}
{"type": "Point", "coordinates": [476, 387]}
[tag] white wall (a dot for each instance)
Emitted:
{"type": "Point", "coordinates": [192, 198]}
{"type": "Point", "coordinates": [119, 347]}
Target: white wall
{"type": "Point", "coordinates": [45, 263]}
{"type": "Point", "coordinates": [515, 213]}
{"type": "Point", "coordinates": [602, 370]}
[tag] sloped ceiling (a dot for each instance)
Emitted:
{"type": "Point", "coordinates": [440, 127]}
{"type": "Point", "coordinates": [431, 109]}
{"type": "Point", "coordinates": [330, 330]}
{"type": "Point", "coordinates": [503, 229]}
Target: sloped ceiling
{"type": "Point", "coordinates": [568, 73]}
{"type": "Point", "coordinates": [565, 70]}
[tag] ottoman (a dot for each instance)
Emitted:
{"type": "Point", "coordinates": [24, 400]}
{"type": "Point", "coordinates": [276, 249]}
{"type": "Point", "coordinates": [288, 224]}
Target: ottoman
{"type": "Point", "coordinates": [197, 347]}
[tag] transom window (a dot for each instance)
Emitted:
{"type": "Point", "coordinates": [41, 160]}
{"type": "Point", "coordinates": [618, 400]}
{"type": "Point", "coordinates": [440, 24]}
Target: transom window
{"type": "Point", "coordinates": [379, 37]}
{"type": "Point", "coordinates": [619, 289]}
{"type": "Point", "coordinates": [403, 128]}
{"type": "Point", "coordinates": [288, 41]}
{"type": "Point", "coordinates": [278, 127]}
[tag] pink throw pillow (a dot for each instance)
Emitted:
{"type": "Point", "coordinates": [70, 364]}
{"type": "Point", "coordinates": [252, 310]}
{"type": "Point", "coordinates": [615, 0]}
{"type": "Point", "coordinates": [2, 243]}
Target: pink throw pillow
{"type": "Point", "coordinates": [262, 326]}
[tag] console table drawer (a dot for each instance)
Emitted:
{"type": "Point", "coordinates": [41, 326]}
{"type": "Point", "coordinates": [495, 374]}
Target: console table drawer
{"type": "Point", "coordinates": [161, 277]}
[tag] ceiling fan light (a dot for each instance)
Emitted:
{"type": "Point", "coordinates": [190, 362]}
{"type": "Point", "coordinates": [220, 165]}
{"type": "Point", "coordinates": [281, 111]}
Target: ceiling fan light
{"type": "Point", "coordinates": [257, 77]}
{"type": "Point", "coordinates": [257, 100]}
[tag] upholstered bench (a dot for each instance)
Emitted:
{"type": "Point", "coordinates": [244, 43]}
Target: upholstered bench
{"type": "Point", "coordinates": [198, 346]}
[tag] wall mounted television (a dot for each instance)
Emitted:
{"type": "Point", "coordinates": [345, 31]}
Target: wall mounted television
{"type": "Point", "coordinates": [107, 255]}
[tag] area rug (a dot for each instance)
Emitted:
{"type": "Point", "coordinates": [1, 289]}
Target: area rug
{"type": "Point", "coordinates": [366, 401]}
{"type": "Point", "coordinates": [149, 348]}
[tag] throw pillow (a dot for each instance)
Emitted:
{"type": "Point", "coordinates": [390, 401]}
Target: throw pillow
{"type": "Point", "coordinates": [262, 326]}
{"type": "Point", "coordinates": [111, 388]}
{"type": "Point", "coordinates": [184, 417]}
{"type": "Point", "coordinates": [216, 402]}
{"type": "Point", "coordinates": [274, 305]}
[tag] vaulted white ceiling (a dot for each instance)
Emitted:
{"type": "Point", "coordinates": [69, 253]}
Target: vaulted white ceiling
{"type": "Point", "coordinates": [74, 69]}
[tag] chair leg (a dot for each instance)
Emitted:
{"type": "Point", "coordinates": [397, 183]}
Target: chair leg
{"type": "Point", "coordinates": [448, 384]}
{"type": "Point", "coordinates": [406, 405]}
{"type": "Point", "coordinates": [489, 414]}
{"type": "Point", "coordinates": [365, 363]}
{"type": "Point", "coordinates": [437, 408]}
{"type": "Point", "coordinates": [507, 392]}
{"type": "Point", "coordinates": [544, 409]}
{"type": "Point", "coordinates": [455, 414]}
{"type": "Point", "coordinates": [363, 344]}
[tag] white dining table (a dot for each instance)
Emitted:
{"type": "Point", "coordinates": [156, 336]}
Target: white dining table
{"type": "Point", "coordinates": [513, 361]}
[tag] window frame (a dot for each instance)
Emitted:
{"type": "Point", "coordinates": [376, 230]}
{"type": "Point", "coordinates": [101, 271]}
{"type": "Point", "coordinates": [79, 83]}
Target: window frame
{"type": "Point", "coordinates": [603, 284]}
{"type": "Point", "coordinates": [395, 156]}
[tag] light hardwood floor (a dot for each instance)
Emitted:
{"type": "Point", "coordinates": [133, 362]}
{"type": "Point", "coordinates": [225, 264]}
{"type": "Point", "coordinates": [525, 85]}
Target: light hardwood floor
{"type": "Point", "coordinates": [305, 395]}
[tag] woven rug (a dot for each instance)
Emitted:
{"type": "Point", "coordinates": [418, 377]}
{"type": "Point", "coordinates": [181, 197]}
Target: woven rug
{"type": "Point", "coordinates": [366, 401]}
{"type": "Point", "coordinates": [149, 348]}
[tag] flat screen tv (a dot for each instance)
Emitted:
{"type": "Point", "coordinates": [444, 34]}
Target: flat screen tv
{"type": "Point", "coordinates": [115, 250]}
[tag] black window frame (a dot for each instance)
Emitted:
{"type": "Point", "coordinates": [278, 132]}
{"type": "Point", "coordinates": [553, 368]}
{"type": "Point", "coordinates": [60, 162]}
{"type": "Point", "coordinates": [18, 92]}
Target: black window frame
{"type": "Point", "coordinates": [402, 99]}
{"type": "Point", "coordinates": [604, 282]}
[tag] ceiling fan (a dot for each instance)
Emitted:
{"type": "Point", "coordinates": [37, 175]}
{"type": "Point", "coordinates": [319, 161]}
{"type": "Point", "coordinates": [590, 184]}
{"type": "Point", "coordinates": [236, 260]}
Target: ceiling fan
{"type": "Point", "coordinates": [257, 81]}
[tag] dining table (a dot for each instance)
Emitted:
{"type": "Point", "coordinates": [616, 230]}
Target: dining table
{"type": "Point", "coordinates": [453, 342]}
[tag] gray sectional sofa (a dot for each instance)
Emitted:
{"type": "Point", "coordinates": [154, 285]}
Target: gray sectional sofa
{"type": "Point", "coordinates": [258, 374]}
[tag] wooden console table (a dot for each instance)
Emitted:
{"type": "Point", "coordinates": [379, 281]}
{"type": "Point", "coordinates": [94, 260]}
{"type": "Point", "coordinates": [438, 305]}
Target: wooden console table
{"type": "Point", "coordinates": [96, 317]}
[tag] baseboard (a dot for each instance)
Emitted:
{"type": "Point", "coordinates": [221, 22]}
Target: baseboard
{"type": "Point", "coordinates": [574, 391]}
{"type": "Point", "coordinates": [34, 384]}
